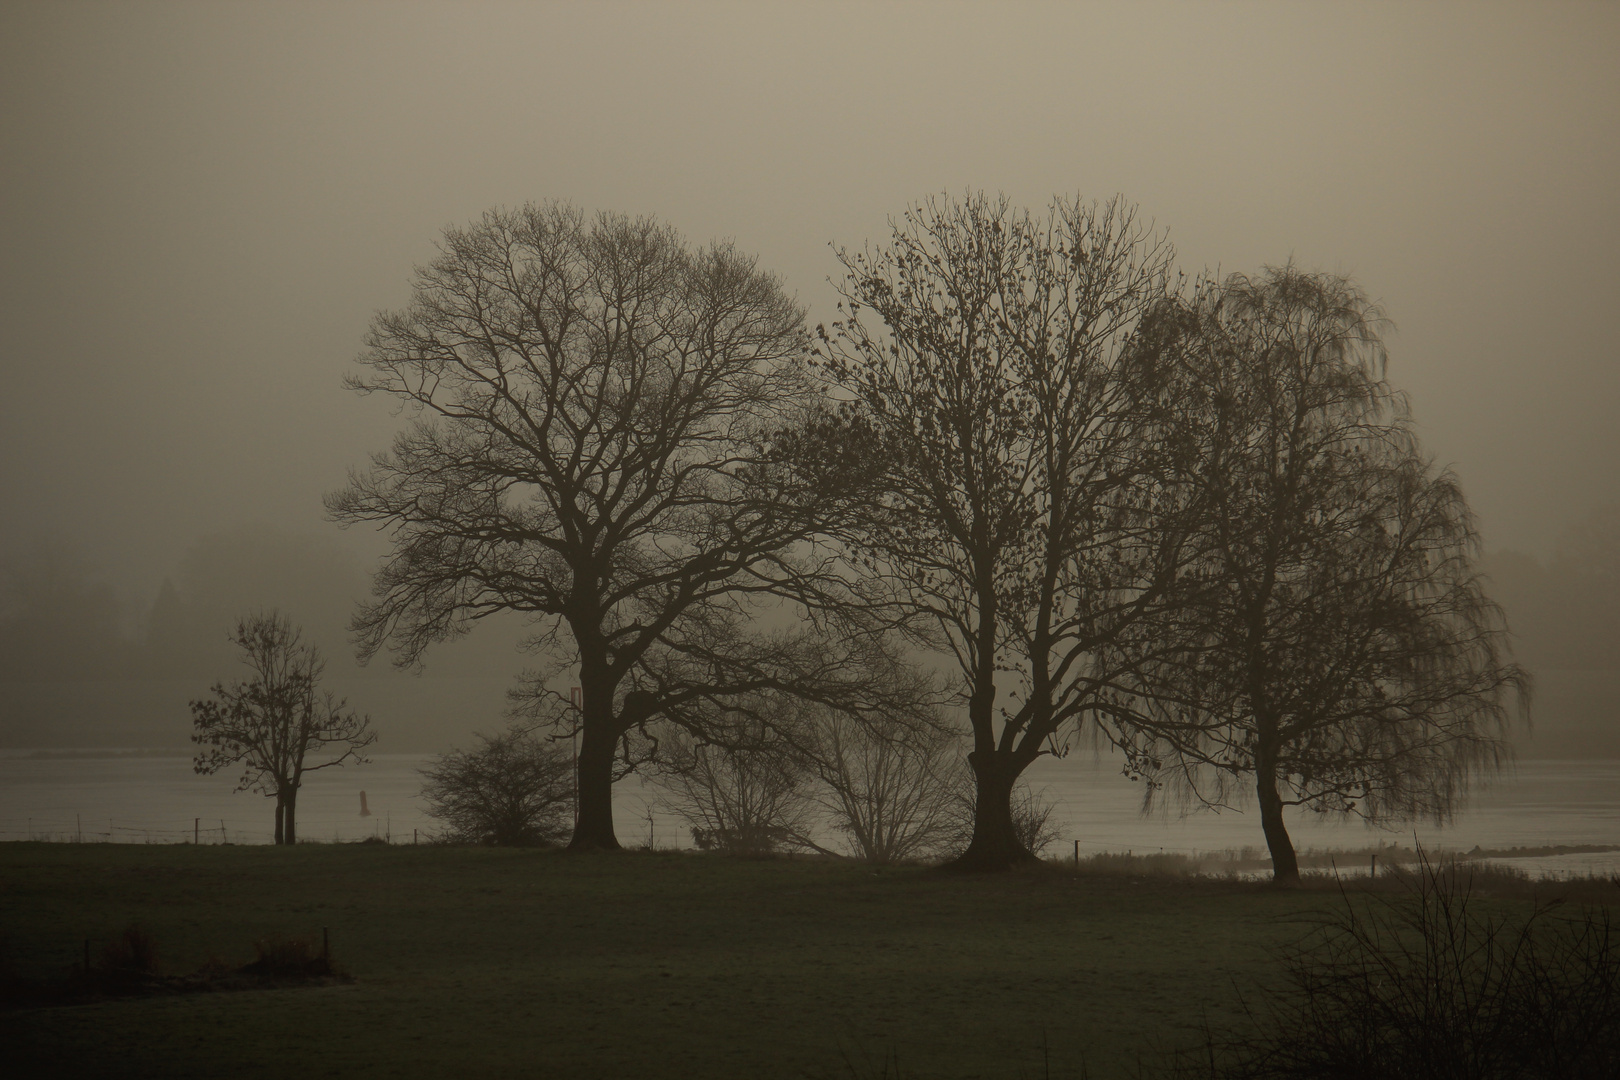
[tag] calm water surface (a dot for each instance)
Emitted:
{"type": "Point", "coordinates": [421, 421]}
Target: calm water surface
{"type": "Point", "coordinates": [160, 800]}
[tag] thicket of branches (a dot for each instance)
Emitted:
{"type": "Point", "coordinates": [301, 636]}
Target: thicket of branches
{"type": "Point", "coordinates": [1433, 985]}
{"type": "Point", "coordinates": [883, 791]}
{"type": "Point", "coordinates": [513, 788]}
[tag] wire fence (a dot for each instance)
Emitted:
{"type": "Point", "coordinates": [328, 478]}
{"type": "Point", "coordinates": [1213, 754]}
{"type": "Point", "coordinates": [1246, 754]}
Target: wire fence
{"type": "Point", "coordinates": [79, 829]}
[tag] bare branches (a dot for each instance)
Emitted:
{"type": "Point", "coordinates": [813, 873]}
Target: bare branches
{"type": "Point", "coordinates": [1021, 512]}
{"type": "Point", "coordinates": [605, 441]}
{"type": "Point", "coordinates": [513, 789]}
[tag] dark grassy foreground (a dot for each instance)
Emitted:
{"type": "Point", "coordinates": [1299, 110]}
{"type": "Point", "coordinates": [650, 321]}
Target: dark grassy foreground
{"type": "Point", "coordinates": [508, 963]}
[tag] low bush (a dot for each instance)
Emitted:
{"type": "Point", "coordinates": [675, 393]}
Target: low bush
{"type": "Point", "coordinates": [514, 789]}
{"type": "Point", "coordinates": [1427, 985]}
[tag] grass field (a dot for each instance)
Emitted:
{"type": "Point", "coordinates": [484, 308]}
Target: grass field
{"type": "Point", "coordinates": [490, 962]}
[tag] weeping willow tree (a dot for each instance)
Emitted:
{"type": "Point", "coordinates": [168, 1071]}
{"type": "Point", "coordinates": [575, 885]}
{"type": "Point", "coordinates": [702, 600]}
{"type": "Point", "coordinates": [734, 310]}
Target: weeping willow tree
{"type": "Point", "coordinates": [1336, 650]}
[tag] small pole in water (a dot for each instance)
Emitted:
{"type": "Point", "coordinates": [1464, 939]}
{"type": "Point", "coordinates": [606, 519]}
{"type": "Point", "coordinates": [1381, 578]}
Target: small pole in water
{"type": "Point", "coordinates": [1077, 854]}
{"type": "Point", "coordinates": [1374, 865]}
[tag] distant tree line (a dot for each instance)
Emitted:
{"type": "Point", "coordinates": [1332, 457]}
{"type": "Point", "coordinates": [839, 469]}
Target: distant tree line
{"type": "Point", "coordinates": [61, 620]}
{"type": "Point", "coordinates": [1565, 611]}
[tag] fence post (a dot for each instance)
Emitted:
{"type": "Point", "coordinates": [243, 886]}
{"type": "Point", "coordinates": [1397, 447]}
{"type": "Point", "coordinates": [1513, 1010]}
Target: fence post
{"type": "Point", "coordinates": [196, 831]}
{"type": "Point", "coordinates": [1077, 854]}
{"type": "Point", "coordinates": [1374, 866]}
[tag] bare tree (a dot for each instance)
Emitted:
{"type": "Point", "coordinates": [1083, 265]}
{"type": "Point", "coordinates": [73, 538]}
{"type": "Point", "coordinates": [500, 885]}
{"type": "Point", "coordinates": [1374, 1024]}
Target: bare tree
{"type": "Point", "coordinates": [600, 446]}
{"type": "Point", "coordinates": [752, 801]}
{"type": "Point", "coordinates": [270, 723]}
{"type": "Point", "coordinates": [1339, 652]}
{"type": "Point", "coordinates": [1022, 516]}
{"type": "Point", "coordinates": [513, 789]}
{"type": "Point", "coordinates": [889, 787]}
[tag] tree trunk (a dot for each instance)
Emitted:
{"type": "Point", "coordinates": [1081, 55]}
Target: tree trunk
{"type": "Point", "coordinates": [1284, 864]}
{"type": "Point", "coordinates": [995, 844]}
{"type": "Point", "coordinates": [290, 832]}
{"type": "Point", "coordinates": [594, 775]}
{"type": "Point", "coordinates": [280, 816]}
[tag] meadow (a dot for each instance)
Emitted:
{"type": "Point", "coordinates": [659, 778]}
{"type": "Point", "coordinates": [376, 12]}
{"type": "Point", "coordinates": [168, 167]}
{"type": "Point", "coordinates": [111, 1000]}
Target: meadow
{"type": "Point", "coordinates": [638, 964]}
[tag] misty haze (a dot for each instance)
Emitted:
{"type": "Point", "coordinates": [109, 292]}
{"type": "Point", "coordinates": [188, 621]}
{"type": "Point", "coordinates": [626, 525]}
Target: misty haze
{"type": "Point", "coordinates": [713, 539]}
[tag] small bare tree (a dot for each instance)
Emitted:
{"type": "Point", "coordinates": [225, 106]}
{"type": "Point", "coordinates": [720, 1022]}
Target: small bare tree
{"type": "Point", "coordinates": [742, 801]}
{"type": "Point", "coordinates": [889, 787]}
{"type": "Point", "coordinates": [270, 723]}
{"type": "Point", "coordinates": [513, 789]}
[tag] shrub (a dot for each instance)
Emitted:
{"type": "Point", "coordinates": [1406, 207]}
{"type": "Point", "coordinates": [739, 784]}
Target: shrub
{"type": "Point", "coordinates": [740, 802]}
{"type": "Point", "coordinates": [1425, 985]}
{"type": "Point", "coordinates": [513, 789]}
{"type": "Point", "coordinates": [887, 786]}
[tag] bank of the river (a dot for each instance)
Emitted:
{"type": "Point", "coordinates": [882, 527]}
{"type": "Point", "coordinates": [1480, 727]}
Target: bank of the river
{"type": "Point", "coordinates": [145, 797]}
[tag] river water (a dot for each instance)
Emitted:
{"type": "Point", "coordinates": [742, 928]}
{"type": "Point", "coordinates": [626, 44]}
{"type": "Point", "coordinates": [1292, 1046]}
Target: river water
{"type": "Point", "coordinates": [154, 799]}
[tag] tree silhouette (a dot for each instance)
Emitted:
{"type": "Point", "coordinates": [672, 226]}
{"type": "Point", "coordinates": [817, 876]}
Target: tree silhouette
{"type": "Point", "coordinates": [601, 444]}
{"type": "Point", "coordinates": [989, 363]}
{"type": "Point", "coordinates": [1338, 651]}
{"type": "Point", "coordinates": [270, 723]}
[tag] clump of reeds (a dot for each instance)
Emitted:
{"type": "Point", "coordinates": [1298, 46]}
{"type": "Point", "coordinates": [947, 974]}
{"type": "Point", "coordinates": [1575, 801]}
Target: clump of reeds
{"type": "Point", "coordinates": [278, 957]}
{"type": "Point", "coordinates": [130, 954]}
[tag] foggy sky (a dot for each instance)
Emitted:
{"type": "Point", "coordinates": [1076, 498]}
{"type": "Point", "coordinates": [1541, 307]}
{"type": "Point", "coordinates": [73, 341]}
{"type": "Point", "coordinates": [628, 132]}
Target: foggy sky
{"type": "Point", "coordinates": [203, 204]}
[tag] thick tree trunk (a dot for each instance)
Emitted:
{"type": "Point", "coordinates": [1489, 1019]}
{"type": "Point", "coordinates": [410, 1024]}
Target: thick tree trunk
{"type": "Point", "coordinates": [594, 775]}
{"type": "Point", "coordinates": [995, 844]}
{"type": "Point", "coordinates": [281, 816]}
{"type": "Point", "coordinates": [1284, 864]}
{"type": "Point", "coordinates": [290, 830]}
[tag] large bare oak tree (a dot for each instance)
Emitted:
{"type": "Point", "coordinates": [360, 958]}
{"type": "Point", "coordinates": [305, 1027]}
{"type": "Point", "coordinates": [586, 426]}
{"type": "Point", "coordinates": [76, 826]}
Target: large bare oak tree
{"type": "Point", "coordinates": [600, 421]}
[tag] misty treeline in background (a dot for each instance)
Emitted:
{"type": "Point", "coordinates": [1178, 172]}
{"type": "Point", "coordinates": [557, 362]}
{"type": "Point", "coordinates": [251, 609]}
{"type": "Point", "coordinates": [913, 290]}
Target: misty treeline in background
{"type": "Point", "coordinates": [85, 664]}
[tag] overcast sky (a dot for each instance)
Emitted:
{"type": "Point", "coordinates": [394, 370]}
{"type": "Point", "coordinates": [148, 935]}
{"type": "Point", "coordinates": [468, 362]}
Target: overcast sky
{"type": "Point", "coordinates": [204, 204]}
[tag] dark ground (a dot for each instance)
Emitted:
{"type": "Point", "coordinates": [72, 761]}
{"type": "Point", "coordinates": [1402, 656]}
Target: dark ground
{"type": "Point", "coordinates": [540, 964]}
